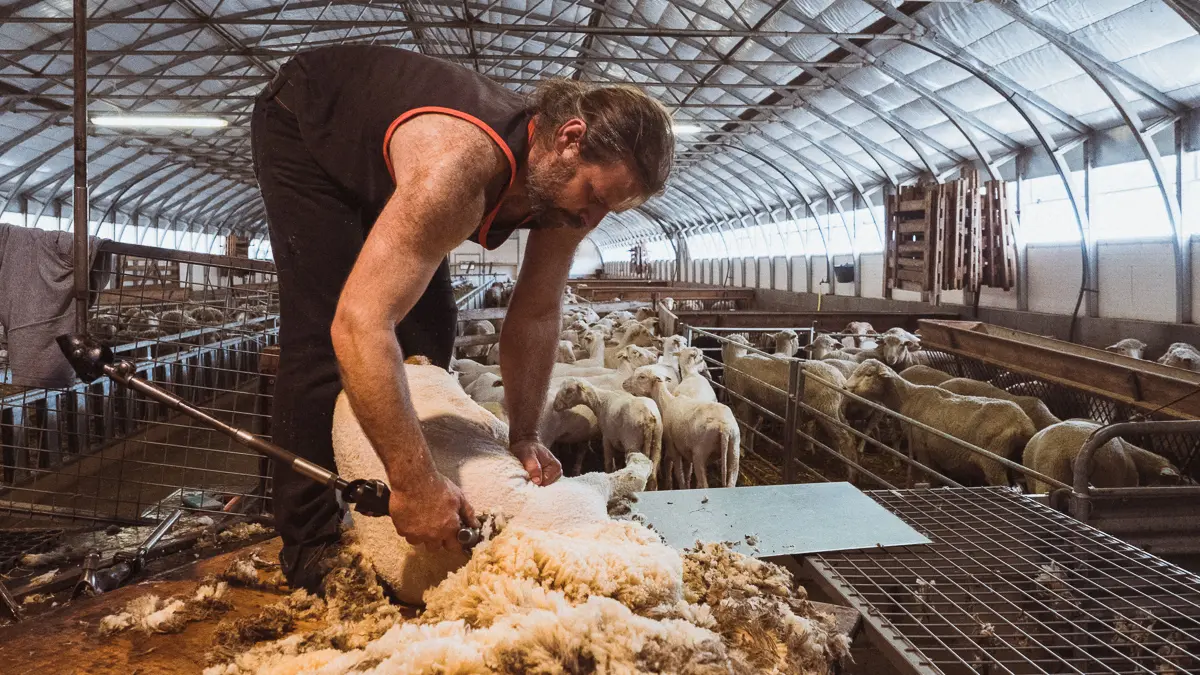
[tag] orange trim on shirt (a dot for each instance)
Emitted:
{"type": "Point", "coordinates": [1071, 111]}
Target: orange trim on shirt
{"type": "Point", "coordinates": [512, 161]}
{"type": "Point", "coordinates": [487, 226]}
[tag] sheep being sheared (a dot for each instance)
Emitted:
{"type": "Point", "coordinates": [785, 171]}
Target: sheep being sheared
{"type": "Point", "coordinates": [470, 447]}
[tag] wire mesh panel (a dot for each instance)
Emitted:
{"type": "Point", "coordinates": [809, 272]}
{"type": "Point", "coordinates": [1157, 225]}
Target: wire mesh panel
{"type": "Point", "coordinates": [195, 325]}
{"type": "Point", "coordinates": [1011, 586]}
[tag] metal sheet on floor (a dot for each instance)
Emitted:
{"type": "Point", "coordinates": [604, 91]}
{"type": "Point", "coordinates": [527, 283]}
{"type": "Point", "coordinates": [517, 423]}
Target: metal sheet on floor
{"type": "Point", "coordinates": [774, 520]}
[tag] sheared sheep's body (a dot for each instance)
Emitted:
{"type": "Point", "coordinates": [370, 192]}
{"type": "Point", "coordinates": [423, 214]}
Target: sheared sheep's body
{"type": "Point", "coordinates": [997, 426]}
{"type": "Point", "coordinates": [1052, 451]}
{"type": "Point", "coordinates": [1032, 406]}
{"type": "Point", "coordinates": [925, 375]}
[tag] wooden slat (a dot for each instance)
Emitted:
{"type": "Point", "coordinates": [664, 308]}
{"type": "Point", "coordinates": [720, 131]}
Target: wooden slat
{"type": "Point", "coordinates": [911, 264]}
{"type": "Point", "coordinates": [912, 227]}
{"type": "Point", "coordinates": [911, 275]}
{"type": "Point", "coordinates": [1144, 384]}
{"type": "Point", "coordinates": [912, 248]}
{"type": "Point", "coordinates": [912, 205]}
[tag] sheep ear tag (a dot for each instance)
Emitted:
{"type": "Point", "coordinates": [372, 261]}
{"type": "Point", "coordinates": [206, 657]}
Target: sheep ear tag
{"type": "Point", "coordinates": [770, 520]}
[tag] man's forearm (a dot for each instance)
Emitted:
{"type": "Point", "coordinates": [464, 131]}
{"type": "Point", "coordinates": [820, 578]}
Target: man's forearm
{"type": "Point", "coordinates": [373, 378]}
{"type": "Point", "coordinates": [527, 349]}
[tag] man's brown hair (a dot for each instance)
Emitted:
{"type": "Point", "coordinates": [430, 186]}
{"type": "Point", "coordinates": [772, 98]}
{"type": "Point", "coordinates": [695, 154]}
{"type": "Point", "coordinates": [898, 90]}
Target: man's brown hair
{"type": "Point", "coordinates": [623, 124]}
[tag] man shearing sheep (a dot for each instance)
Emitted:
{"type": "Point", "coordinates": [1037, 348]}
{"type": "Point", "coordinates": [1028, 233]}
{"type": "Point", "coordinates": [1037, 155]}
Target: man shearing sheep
{"type": "Point", "coordinates": [374, 163]}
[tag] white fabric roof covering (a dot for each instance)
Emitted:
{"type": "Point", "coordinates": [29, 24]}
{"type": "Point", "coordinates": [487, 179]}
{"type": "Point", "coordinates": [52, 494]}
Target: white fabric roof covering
{"type": "Point", "coordinates": [801, 84]}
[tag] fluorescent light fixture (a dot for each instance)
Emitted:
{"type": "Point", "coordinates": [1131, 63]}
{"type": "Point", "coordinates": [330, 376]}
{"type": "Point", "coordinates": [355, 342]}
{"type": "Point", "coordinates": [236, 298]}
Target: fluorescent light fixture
{"type": "Point", "coordinates": [145, 121]}
{"type": "Point", "coordinates": [687, 129]}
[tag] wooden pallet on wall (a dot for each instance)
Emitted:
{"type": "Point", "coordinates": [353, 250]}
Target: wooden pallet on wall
{"type": "Point", "coordinates": [953, 236]}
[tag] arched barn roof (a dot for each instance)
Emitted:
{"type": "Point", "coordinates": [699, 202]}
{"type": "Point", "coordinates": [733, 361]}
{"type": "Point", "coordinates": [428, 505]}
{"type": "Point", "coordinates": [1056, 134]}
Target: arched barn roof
{"type": "Point", "coordinates": [802, 105]}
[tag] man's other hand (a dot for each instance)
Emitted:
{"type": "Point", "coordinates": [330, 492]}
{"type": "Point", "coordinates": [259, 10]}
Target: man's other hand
{"type": "Point", "coordinates": [542, 466]}
{"type": "Point", "coordinates": [431, 513]}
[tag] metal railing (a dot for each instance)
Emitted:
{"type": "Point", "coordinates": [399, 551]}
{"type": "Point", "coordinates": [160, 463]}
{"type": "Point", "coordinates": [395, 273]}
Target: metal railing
{"type": "Point", "coordinates": [473, 299]}
{"type": "Point", "coordinates": [194, 324]}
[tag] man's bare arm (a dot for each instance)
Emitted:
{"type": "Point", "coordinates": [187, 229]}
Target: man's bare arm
{"type": "Point", "coordinates": [443, 167]}
{"type": "Point", "coordinates": [530, 338]}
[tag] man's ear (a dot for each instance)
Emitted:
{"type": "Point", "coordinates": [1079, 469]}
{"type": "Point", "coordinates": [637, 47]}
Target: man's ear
{"type": "Point", "coordinates": [570, 135]}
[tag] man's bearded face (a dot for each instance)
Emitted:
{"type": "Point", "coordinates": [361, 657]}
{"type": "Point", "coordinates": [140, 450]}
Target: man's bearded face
{"type": "Point", "coordinates": [547, 183]}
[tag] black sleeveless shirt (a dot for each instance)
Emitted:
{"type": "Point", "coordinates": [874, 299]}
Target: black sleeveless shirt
{"type": "Point", "coordinates": [351, 98]}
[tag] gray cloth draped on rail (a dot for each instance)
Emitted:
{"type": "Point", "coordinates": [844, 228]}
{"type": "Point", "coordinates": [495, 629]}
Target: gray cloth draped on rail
{"type": "Point", "coordinates": [36, 300]}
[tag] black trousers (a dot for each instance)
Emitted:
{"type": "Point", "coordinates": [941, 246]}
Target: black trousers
{"type": "Point", "coordinates": [317, 231]}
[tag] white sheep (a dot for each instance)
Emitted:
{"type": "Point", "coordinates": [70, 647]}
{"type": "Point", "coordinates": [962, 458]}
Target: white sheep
{"type": "Point", "coordinates": [997, 426]}
{"type": "Point", "coordinates": [480, 327]}
{"type": "Point", "coordinates": [855, 332]}
{"type": "Point", "coordinates": [670, 350]}
{"type": "Point", "coordinates": [723, 306]}
{"type": "Point", "coordinates": [487, 388]}
{"type": "Point", "coordinates": [634, 334]}
{"type": "Point", "coordinates": [786, 342]}
{"type": "Point", "coordinates": [825, 347]}
{"type": "Point", "coordinates": [926, 375]}
{"type": "Point", "coordinates": [1117, 463]}
{"type": "Point", "coordinates": [1181, 355]}
{"type": "Point", "coordinates": [643, 313]}
{"type": "Point", "coordinates": [1032, 406]}
{"type": "Point", "coordinates": [1131, 347]}
{"type": "Point", "coordinates": [565, 352]}
{"type": "Point", "coordinates": [628, 423]}
{"type": "Point", "coordinates": [694, 383]}
{"type": "Point", "coordinates": [666, 315]}
{"type": "Point", "coordinates": [896, 351]}
{"type": "Point", "coordinates": [701, 429]}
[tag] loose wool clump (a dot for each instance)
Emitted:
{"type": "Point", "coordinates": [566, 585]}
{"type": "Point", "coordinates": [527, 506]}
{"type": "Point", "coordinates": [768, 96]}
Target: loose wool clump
{"type": "Point", "coordinates": [152, 614]}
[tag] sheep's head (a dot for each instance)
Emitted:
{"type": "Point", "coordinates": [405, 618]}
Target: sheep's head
{"type": "Point", "coordinates": [691, 361]}
{"type": "Point", "coordinates": [821, 345]}
{"type": "Point", "coordinates": [636, 356]}
{"type": "Point", "coordinates": [570, 395]}
{"type": "Point", "coordinates": [870, 380]}
{"type": "Point", "coordinates": [673, 343]}
{"type": "Point", "coordinates": [643, 313]}
{"type": "Point", "coordinates": [1131, 347]}
{"type": "Point", "coordinates": [892, 349]}
{"type": "Point", "coordinates": [1188, 359]}
{"type": "Point", "coordinates": [639, 335]}
{"type": "Point", "coordinates": [590, 338]}
{"type": "Point", "coordinates": [786, 342]}
{"type": "Point", "coordinates": [642, 382]}
{"type": "Point", "coordinates": [668, 304]}
{"type": "Point", "coordinates": [859, 328]}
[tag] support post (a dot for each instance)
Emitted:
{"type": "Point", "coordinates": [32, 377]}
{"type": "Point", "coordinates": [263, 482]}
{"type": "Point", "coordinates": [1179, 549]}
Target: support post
{"type": "Point", "coordinates": [80, 194]}
{"type": "Point", "coordinates": [791, 419]}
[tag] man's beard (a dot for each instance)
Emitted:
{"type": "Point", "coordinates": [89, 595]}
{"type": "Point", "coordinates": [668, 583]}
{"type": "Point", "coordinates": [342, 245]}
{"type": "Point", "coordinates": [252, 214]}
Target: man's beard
{"type": "Point", "coordinates": [545, 185]}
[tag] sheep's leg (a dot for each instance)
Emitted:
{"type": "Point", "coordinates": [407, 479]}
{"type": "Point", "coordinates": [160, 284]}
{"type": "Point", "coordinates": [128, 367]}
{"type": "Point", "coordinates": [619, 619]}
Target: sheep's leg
{"type": "Point", "coordinates": [580, 455]}
{"type": "Point", "coordinates": [610, 464]}
{"type": "Point", "coordinates": [700, 469]}
{"type": "Point", "coordinates": [994, 472]}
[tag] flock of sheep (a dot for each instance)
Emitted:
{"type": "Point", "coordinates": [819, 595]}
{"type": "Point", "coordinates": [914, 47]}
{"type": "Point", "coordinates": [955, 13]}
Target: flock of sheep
{"type": "Point", "coordinates": [119, 326]}
{"type": "Point", "coordinates": [890, 370]}
{"type": "Point", "coordinates": [620, 380]}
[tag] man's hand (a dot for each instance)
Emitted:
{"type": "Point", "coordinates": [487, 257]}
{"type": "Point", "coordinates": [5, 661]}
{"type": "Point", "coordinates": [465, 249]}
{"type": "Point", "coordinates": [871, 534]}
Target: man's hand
{"type": "Point", "coordinates": [431, 513]}
{"type": "Point", "coordinates": [543, 467]}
